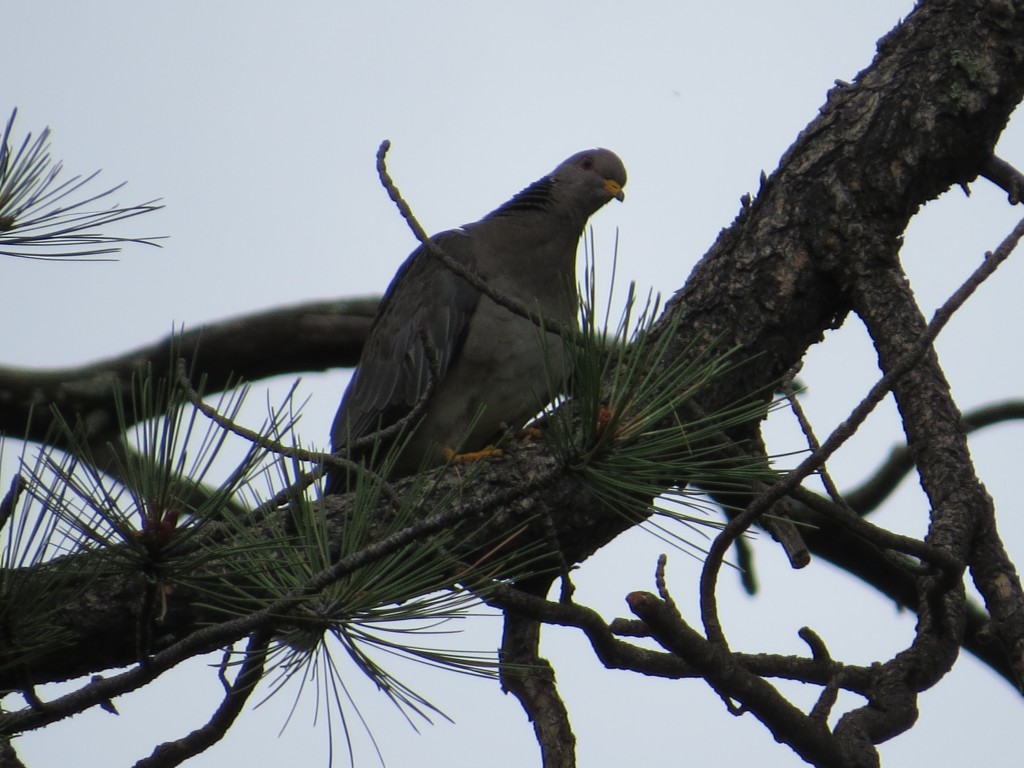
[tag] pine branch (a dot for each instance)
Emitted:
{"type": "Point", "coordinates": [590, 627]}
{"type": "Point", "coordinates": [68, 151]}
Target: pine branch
{"type": "Point", "coordinates": [43, 217]}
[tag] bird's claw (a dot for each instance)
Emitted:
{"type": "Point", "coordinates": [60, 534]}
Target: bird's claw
{"type": "Point", "coordinates": [484, 453]}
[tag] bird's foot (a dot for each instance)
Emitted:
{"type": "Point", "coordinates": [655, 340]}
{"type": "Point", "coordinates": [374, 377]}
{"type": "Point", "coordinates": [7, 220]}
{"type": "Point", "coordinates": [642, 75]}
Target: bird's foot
{"type": "Point", "coordinates": [484, 453]}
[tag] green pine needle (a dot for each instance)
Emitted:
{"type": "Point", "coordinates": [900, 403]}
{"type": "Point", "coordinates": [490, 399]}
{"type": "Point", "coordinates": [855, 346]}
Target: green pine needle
{"type": "Point", "coordinates": [146, 514]}
{"type": "Point", "coordinates": [620, 427]}
{"type": "Point", "coordinates": [40, 217]}
{"type": "Point", "coordinates": [31, 538]}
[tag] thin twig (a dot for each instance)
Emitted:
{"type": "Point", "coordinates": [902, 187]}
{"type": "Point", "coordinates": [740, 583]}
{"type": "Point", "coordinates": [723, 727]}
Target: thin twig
{"type": "Point", "coordinates": [881, 537]}
{"type": "Point", "coordinates": [254, 437]}
{"type": "Point", "coordinates": [173, 753]}
{"type": "Point", "coordinates": [662, 585]}
{"type": "Point", "coordinates": [511, 303]}
{"type": "Point", "coordinates": [781, 528]}
{"type": "Point", "coordinates": [32, 698]}
{"type": "Point", "coordinates": [336, 459]}
{"type": "Point", "coordinates": [322, 460]}
{"type": "Point", "coordinates": [734, 683]}
{"type": "Point", "coordinates": [618, 654]}
{"type": "Point", "coordinates": [830, 693]}
{"type": "Point", "coordinates": [812, 440]}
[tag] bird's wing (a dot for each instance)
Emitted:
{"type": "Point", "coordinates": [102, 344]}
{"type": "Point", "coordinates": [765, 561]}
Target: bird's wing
{"type": "Point", "coordinates": [426, 304]}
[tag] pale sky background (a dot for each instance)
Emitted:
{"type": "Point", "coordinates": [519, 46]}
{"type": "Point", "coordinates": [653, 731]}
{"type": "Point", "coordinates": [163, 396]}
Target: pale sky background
{"type": "Point", "coordinates": [258, 126]}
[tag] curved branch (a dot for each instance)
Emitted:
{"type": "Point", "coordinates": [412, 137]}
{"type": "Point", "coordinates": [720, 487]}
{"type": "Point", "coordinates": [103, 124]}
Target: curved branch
{"type": "Point", "coordinates": [809, 738]}
{"type": "Point", "coordinates": [615, 653]}
{"type": "Point", "coordinates": [307, 337]}
{"type": "Point", "coordinates": [172, 753]}
{"type": "Point", "coordinates": [869, 496]}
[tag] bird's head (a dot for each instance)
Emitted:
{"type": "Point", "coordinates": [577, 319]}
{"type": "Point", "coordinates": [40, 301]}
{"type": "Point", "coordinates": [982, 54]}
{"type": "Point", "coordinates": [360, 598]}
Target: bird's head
{"type": "Point", "coordinates": [576, 188]}
{"type": "Point", "coordinates": [590, 179]}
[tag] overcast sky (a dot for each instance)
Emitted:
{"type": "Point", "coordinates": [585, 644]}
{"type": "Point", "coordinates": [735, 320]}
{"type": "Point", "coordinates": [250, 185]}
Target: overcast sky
{"type": "Point", "coordinates": [258, 126]}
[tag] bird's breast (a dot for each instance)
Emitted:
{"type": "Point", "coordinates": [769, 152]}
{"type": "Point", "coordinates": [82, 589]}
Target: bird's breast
{"type": "Point", "coordinates": [506, 372]}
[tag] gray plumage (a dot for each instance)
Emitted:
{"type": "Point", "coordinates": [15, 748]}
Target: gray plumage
{"type": "Point", "coordinates": [494, 370]}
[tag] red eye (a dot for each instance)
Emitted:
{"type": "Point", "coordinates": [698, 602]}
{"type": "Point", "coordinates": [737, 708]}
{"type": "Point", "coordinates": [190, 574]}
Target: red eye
{"type": "Point", "coordinates": [587, 163]}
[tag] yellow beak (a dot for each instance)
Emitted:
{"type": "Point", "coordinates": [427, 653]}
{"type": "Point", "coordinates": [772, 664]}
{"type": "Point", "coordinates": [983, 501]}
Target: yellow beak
{"type": "Point", "coordinates": [614, 189]}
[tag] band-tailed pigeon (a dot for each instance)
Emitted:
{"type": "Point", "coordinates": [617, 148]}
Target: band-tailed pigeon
{"type": "Point", "coordinates": [492, 368]}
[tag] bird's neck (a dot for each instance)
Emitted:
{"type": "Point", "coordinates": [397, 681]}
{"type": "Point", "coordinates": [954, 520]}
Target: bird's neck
{"type": "Point", "coordinates": [544, 252]}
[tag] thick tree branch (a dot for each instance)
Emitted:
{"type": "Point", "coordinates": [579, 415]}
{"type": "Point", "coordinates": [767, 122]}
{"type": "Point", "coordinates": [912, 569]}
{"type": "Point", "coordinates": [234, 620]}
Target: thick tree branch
{"type": "Point", "coordinates": [531, 679]}
{"type": "Point", "coordinates": [308, 337]}
{"type": "Point", "coordinates": [8, 757]}
{"type": "Point", "coordinates": [1006, 177]}
{"type": "Point", "coordinates": [101, 618]}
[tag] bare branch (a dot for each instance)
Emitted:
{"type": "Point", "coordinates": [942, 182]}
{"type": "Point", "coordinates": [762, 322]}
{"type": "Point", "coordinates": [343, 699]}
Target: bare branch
{"type": "Point", "coordinates": [812, 441]}
{"type": "Point", "coordinates": [307, 337]}
{"type": "Point", "coordinates": [531, 679]}
{"type": "Point", "coordinates": [615, 653]}
{"type": "Point", "coordinates": [1006, 177]}
{"type": "Point", "coordinates": [808, 737]}
{"type": "Point", "coordinates": [962, 514]}
{"type": "Point", "coordinates": [869, 496]}
{"type": "Point", "coordinates": [172, 753]}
